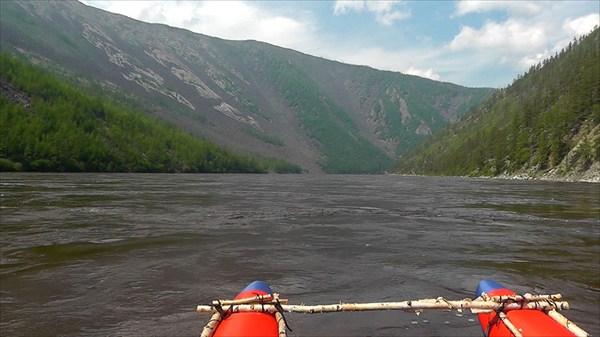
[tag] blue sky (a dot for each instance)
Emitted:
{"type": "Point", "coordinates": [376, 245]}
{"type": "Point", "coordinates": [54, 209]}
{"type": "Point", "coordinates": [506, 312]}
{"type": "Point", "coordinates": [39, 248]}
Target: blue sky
{"type": "Point", "coordinates": [472, 43]}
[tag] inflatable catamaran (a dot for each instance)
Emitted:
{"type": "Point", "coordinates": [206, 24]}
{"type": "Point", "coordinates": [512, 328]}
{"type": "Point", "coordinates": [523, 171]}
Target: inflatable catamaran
{"type": "Point", "coordinates": [249, 323]}
{"type": "Point", "coordinates": [521, 322]}
{"type": "Point", "coordinates": [258, 311]}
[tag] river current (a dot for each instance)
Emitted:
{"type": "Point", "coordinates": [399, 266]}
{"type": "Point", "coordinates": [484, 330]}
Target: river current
{"type": "Point", "coordinates": [133, 254]}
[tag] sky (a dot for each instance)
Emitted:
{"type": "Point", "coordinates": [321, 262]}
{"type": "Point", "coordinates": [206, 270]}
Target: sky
{"type": "Point", "coordinates": [472, 43]}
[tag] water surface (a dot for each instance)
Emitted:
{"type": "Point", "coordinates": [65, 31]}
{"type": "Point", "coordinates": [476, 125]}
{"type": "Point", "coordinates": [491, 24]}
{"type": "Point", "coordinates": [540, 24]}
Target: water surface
{"type": "Point", "coordinates": [133, 254]}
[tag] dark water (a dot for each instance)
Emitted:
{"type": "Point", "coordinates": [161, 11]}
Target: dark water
{"type": "Point", "coordinates": [127, 255]}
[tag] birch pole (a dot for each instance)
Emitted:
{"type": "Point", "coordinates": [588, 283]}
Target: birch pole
{"type": "Point", "coordinates": [268, 298]}
{"type": "Point", "coordinates": [478, 305]}
{"type": "Point", "coordinates": [280, 324]}
{"type": "Point", "coordinates": [520, 298]}
{"type": "Point", "coordinates": [211, 326]}
{"type": "Point", "coordinates": [509, 325]}
{"type": "Point", "coordinates": [562, 320]}
{"type": "Point", "coordinates": [272, 304]}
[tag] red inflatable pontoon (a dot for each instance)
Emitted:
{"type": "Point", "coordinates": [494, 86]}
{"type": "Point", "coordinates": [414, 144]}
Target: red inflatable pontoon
{"type": "Point", "coordinates": [531, 323]}
{"type": "Point", "coordinates": [249, 324]}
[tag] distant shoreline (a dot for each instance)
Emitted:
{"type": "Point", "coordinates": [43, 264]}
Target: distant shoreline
{"type": "Point", "coordinates": [595, 179]}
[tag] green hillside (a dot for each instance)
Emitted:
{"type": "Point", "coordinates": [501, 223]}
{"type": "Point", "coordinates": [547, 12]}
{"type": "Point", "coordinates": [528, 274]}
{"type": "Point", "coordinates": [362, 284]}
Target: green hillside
{"type": "Point", "coordinates": [247, 96]}
{"type": "Point", "coordinates": [48, 125]}
{"type": "Point", "coordinates": [344, 149]}
{"type": "Point", "coordinates": [545, 123]}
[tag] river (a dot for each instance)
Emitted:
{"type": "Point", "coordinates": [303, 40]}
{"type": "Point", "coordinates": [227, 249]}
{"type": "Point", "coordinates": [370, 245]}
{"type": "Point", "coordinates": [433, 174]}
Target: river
{"type": "Point", "coordinates": [133, 254]}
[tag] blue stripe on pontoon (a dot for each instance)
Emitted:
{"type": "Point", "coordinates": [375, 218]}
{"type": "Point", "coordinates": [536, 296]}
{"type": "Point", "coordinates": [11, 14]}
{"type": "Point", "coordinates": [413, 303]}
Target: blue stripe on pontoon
{"type": "Point", "coordinates": [487, 286]}
{"type": "Point", "coordinates": [259, 285]}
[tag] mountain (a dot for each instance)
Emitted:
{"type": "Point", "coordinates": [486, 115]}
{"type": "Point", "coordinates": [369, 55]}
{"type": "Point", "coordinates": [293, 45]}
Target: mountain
{"type": "Point", "coordinates": [49, 125]}
{"type": "Point", "coordinates": [545, 125]}
{"type": "Point", "coordinates": [248, 96]}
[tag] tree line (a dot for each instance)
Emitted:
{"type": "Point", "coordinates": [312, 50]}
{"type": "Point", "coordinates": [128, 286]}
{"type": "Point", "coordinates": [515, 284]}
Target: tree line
{"type": "Point", "coordinates": [62, 129]}
{"type": "Point", "coordinates": [529, 126]}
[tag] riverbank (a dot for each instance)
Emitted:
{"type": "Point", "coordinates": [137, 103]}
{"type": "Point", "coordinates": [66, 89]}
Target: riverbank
{"type": "Point", "coordinates": [591, 175]}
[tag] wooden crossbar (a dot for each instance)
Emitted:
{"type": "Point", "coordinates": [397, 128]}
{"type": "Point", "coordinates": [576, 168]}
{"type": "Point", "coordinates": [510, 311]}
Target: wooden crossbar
{"type": "Point", "coordinates": [272, 304]}
{"type": "Point", "coordinates": [478, 305]}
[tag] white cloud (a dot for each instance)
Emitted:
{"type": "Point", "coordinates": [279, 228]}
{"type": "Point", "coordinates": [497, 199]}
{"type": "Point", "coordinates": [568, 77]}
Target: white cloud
{"type": "Point", "coordinates": [388, 18]}
{"type": "Point", "coordinates": [520, 8]}
{"type": "Point", "coordinates": [234, 20]}
{"type": "Point", "coordinates": [507, 37]}
{"type": "Point", "coordinates": [514, 44]}
{"type": "Point", "coordinates": [582, 25]}
{"type": "Point", "coordinates": [415, 61]}
{"type": "Point", "coordinates": [385, 11]}
{"type": "Point", "coordinates": [241, 21]}
{"type": "Point", "coordinates": [533, 31]}
{"type": "Point", "coordinates": [429, 73]}
{"type": "Point", "coordinates": [375, 57]}
{"type": "Point", "coordinates": [529, 60]}
{"type": "Point", "coordinates": [131, 9]}
{"type": "Point", "coordinates": [345, 6]}
{"type": "Point", "coordinates": [516, 35]}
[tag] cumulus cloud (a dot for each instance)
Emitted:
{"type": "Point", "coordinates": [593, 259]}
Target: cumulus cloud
{"type": "Point", "coordinates": [385, 11]}
{"type": "Point", "coordinates": [127, 8]}
{"type": "Point", "coordinates": [521, 8]}
{"type": "Point", "coordinates": [582, 25]}
{"type": "Point", "coordinates": [511, 36]}
{"type": "Point", "coordinates": [343, 6]}
{"type": "Point", "coordinates": [234, 20]}
{"type": "Point", "coordinates": [532, 31]}
{"type": "Point", "coordinates": [514, 43]}
{"type": "Point", "coordinates": [375, 57]}
{"type": "Point", "coordinates": [429, 73]}
{"type": "Point", "coordinates": [530, 60]}
{"type": "Point", "coordinates": [414, 61]}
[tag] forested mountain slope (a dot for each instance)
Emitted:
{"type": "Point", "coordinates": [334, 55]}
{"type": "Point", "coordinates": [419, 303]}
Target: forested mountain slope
{"type": "Point", "coordinates": [248, 96]}
{"type": "Point", "coordinates": [544, 125]}
{"type": "Point", "coordinates": [48, 125]}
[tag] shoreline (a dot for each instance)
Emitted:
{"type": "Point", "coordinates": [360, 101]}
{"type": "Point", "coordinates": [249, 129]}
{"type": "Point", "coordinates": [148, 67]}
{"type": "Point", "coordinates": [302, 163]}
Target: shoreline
{"type": "Point", "coordinates": [595, 179]}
